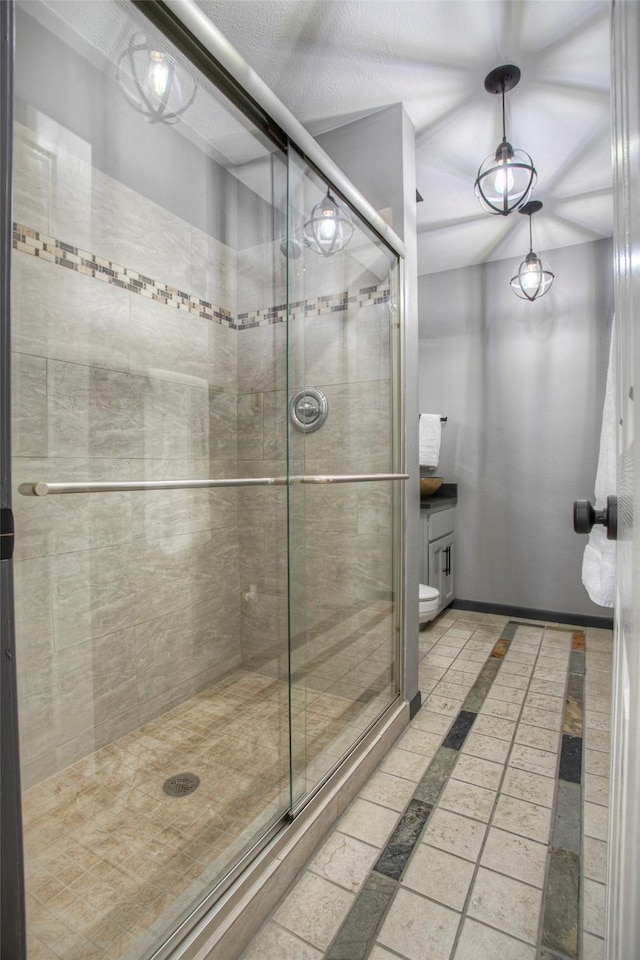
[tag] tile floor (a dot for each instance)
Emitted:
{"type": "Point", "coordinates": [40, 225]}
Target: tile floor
{"type": "Point", "coordinates": [474, 885]}
{"type": "Point", "coordinates": [111, 862]}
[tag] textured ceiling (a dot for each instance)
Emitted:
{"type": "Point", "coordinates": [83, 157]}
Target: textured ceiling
{"type": "Point", "coordinates": [330, 61]}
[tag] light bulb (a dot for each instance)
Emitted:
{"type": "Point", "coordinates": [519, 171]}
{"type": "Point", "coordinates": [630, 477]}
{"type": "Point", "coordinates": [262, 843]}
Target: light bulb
{"type": "Point", "coordinates": [158, 73]}
{"type": "Point", "coordinates": [499, 182]}
{"type": "Point", "coordinates": [328, 226]}
{"type": "Point", "coordinates": [530, 278]}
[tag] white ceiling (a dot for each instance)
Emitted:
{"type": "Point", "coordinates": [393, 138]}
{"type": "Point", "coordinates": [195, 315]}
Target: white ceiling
{"type": "Point", "coordinates": [330, 61]}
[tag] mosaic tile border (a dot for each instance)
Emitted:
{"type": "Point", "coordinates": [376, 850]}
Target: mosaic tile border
{"type": "Point", "coordinates": [357, 935]}
{"type": "Point", "coordinates": [40, 245]}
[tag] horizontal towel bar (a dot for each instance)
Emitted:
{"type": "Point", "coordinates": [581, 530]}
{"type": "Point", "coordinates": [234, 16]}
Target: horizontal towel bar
{"type": "Point", "coordinates": [42, 489]}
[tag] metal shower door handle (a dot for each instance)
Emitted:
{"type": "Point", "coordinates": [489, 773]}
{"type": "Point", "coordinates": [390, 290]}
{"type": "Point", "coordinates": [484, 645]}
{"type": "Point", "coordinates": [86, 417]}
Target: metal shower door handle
{"type": "Point", "coordinates": [585, 516]}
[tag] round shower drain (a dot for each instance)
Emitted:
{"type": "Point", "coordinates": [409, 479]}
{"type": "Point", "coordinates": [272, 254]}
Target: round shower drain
{"type": "Point", "coordinates": [181, 785]}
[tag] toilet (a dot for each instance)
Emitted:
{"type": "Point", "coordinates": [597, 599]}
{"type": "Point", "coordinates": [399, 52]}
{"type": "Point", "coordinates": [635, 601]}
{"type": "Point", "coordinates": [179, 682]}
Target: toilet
{"type": "Point", "coordinates": [429, 599]}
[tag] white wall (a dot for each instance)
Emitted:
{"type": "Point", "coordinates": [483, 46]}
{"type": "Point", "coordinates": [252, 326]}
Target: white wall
{"type": "Point", "coordinates": [522, 385]}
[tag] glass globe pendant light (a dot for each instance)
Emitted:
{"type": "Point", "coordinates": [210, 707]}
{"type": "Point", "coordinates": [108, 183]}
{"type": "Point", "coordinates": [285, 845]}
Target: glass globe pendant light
{"type": "Point", "coordinates": [149, 80]}
{"type": "Point", "coordinates": [507, 177]}
{"type": "Point", "coordinates": [533, 277]}
{"type": "Point", "coordinates": [328, 228]}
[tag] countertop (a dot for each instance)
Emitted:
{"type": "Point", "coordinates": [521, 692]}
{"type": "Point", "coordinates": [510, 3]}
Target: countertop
{"type": "Point", "coordinates": [442, 499]}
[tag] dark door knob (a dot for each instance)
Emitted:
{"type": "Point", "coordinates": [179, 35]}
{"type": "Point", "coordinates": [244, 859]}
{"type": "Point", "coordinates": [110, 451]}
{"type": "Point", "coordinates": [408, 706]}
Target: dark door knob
{"type": "Point", "coordinates": [585, 515]}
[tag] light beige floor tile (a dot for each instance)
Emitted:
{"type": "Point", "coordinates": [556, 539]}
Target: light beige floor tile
{"type": "Point", "coordinates": [507, 904]}
{"type": "Point", "coordinates": [420, 741]}
{"type": "Point", "coordinates": [515, 856]}
{"type": "Point", "coordinates": [344, 860]}
{"type": "Point", "coordinates": [541, 718]}
{"type": "Point", "coordinates": [447, 706]}
{"type": "Point", "coordinates": [595, 859]}
{"type": "Point", "coordinates": [596, 789]}
{"type": "Point", "coordinates": [594, 907]}
{"type": "Point", "coordinates": [519, 669]}
{"type": "Point", "coordinates": [538, 737]}
{"type": "Point", "coordinates": [514, 680]}
{"type": "Point", "coordinates": [543, 701]}
{"type": "Point", "coordinates": [497, 708]}
{"type": "Point", "coordinates": [516, 654]}
{"type": "Point", "coordinates": [431, 722]}
{"type": "Point", "coordinates": [314, 910]}
{"type": "Point", "coordinates": [592, 947]}
{"type": "Point", "coordinates": [487, 748]}
{"type": "Point", "coordinates": [455, 834]}
{"type": "Point", "coordinates": [388, 791]}
{"type": "Point", "coordinates": [478, 942]}
{"type": "Point", "coordinates": [273, 942]}
{"type": "Point", "coordinates": [417, 928]}
{"type": "Point", "coordinates": [534, 760]}
{"type": "Point", "coordinates": [484, 773]}
{"type": "Point", "coordinates": [403, 763]}
{"type": "Point", "coordinates": [378, 953]}
{"type": "Point", "coordinates": [494, 727]}
{"type": "Point", "coordinates": [468, 799]}
{"type": "Point", "coordinates": [547, 686]}
{"type": "Point", "coordinates": [507, 694]}
{"type": "Point", "coordinates": [523, 818]}
{"type": "Point", "coordinates": [597, 762]}
{"type": "Point", "coordinates": [368, 822]}
{"type": "Point", "coordinates": [529, 786]}
{"type": "Point", "coordinates": [596, 821]}
{"type": "Point", "coordinates": [439, 875]}
{"type": "Point", "coordinates": [596, 721]}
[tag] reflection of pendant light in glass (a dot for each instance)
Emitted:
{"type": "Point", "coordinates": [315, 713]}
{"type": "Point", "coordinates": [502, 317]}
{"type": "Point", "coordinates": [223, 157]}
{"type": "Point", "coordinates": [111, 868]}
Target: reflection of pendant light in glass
{"type": "Point", "coordinates": [507, 177]}
{"type": "Point", "coordinates": [329, 227]}
{"type": "Point", "coordinates": [150, 81]}
{"type": "Point", "coordinates": [533, 277]}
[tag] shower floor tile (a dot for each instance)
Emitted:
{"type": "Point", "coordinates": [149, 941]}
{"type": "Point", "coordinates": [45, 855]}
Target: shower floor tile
{"type": "Point", "coordinates": [108, 854]}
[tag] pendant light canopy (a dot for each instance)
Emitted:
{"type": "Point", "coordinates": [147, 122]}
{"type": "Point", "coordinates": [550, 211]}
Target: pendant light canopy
{"type": "Point", "coordinates": [507, 177]}
{"type": "Point", "coordinates": [152, 83]}
{"type": "Point", "coordinates": [329, 227]}
{"type": "Point", "coordinates": [533, 277]}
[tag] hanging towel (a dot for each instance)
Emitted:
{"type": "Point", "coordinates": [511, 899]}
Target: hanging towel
{"type": "Point", "coordinates": [599, 561]}
{"type": "Point", "coordinates": [429, 439]}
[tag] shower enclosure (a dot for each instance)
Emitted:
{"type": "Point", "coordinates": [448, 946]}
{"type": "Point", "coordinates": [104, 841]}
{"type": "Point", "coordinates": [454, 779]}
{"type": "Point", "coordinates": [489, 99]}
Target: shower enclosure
{"type": "Point", "coordinates": [202, 606]}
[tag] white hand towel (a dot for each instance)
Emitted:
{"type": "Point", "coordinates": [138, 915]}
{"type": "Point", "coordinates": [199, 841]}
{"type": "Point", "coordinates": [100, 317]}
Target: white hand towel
{"type": "Point", "coordinates": [430, 431]}
{"type": "Point", "coordinates": [599, 561]}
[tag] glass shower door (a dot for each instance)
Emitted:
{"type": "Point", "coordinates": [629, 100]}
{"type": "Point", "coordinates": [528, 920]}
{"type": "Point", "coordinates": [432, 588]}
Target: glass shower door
{"type": "Point", "coordinates": [343, 445]}
{"type": "Point", "coordinates": [149, 480]}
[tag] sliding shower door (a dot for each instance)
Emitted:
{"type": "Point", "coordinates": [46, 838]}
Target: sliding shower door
{"type": "Point", "coordinates": [344, 442]}
{"type": "Point", "coordinates": [149, 480]}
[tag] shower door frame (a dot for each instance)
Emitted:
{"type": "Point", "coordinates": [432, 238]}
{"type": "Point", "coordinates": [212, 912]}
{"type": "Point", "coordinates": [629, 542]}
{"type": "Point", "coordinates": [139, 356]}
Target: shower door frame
{"type": "Point", "coordinates": [186, 26]}
{"type": "Point", "coordinates": [12, 901]}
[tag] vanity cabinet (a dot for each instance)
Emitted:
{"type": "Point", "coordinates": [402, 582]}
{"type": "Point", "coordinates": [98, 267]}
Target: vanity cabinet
{"type": "Point", "coordinates": [438, 552]}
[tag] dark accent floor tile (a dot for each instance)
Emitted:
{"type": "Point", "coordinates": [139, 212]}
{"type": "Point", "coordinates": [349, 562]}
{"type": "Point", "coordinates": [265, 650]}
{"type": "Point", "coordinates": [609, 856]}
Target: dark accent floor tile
{"type": "Point", "coordinates": [509, 630]}
{"type": "Point", "coordinates": [458, 732]}
{"type": "Point", "coordinates": [572, 722]}
{"type": "Point", "coordinates": [560, 925]}
{"type": "Point", "coordinates": [393, 858]}
{"type": "Point", "coordinates": [476, 696]}
{"type": "Point", "coordinates": [488, 672]}
{"type": "Point", "coordinates": [570, 759]}
{"type": "Point", "coordinates": [575, 687]}
{"type": "Point", "coordinates": [566, 827]}
{"type": "Point", "coordinates": [501, 648]}
{"type": "Point", "coordinates": [576, 662]}
{"type": "Point", "coordinates": [438, 772]}
{"type": "Point", "coordinates": [578, 641]}
{"type": "Point", "coordinates": [355, 939]}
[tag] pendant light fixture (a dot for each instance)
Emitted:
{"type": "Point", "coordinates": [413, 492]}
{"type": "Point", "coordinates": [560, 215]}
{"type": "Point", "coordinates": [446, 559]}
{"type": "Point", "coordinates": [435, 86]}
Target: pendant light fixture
{"type": "Point", "coordinates": [152, 82]}
{"type": "Point", "coordinates": [533, 277]}
{"type": "Point", "coordinates": [329, 227]}
{"type": "Point", "coordinates": [507, 177]}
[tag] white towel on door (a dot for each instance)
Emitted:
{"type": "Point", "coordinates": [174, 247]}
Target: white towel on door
{"type": "Point", "coordinates": [599, 561]}
{"type": "Point", "coordinates": [430, 431]}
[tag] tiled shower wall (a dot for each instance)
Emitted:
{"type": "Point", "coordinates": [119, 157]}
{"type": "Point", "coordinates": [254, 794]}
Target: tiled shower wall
{"type": "Point", "coordinates": [135, 357]}
{"type": "Point", "coordinates": [125, 603]}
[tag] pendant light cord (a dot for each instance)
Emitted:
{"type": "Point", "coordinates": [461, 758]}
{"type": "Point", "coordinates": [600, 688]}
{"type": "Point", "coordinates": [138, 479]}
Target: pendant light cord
{"type": "Point", "coordinates": [530, 236]}
{"type": "Point", "coordinates": [504, 125]}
